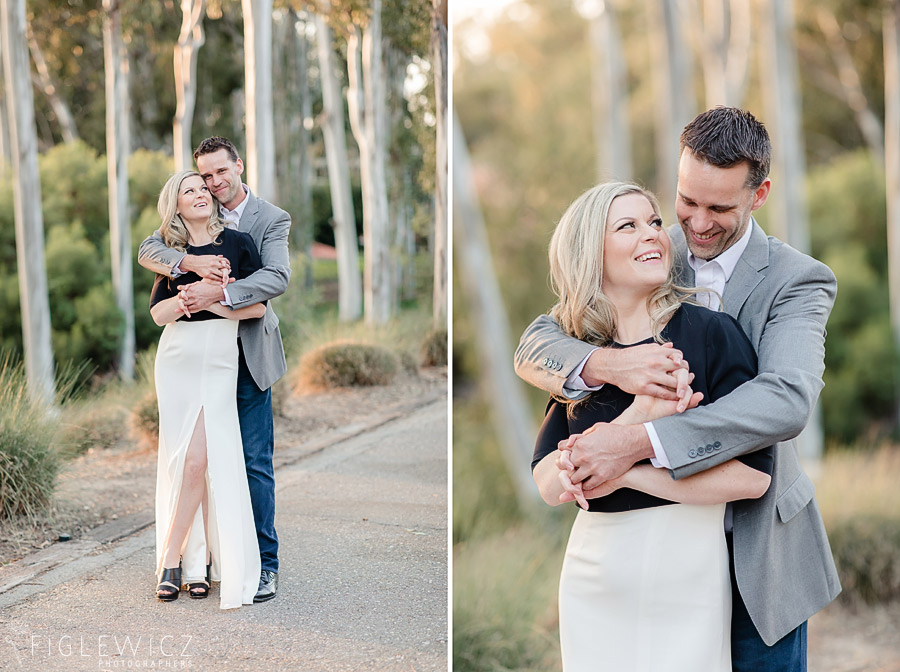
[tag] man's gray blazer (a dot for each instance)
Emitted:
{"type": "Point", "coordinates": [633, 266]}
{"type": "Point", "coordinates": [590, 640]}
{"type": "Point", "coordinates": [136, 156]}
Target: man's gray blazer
{"type": "Point", "coordinates": [269, 226]}
{"type": "Point", "coordinates": [782, 299]}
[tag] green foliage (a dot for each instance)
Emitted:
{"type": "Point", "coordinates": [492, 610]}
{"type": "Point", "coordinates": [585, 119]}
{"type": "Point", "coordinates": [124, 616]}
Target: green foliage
{"type": "Point", "coordinates": [847, 213]}
{"type": "Point", "coordinates": [345, 364]}
{"type": "Point", "coordinates": [434, 348]}
{"type": "Point", "coordinates": [28, 462]}
{"type": "Point", "coordinates": [866, 552]}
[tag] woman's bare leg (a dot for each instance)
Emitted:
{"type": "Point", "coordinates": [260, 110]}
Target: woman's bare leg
{"type": "Point", "coordinates": [193, 490]}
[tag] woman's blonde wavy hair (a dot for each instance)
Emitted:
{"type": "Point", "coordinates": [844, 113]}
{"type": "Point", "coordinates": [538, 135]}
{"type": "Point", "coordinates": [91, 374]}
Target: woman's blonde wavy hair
{"type": "Point", "coordinates": [172, 229]}
{"type": "Point", "coordinates": [576, 269]}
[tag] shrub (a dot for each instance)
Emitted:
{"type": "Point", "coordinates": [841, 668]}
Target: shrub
{"type": "Point", "coordinates": [28, 462]}
{"type": "Point", "coordinates": [434, 348]}
{"type": "Point", "coordinates": [408, 362]}
{"type": "Point", "coordinates": [93, 424]}
{"type": "Point", "coordinates": [345, 364]}
{"type": "Point", "coordinates": [144, 423]}
{"type": "Point", "coordinates": [867, 555]}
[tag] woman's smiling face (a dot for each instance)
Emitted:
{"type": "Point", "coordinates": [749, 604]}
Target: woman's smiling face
{"type": "Point", "coordinates": [636, 250]}
{"type": "Point", "coordinates": [194, 199]}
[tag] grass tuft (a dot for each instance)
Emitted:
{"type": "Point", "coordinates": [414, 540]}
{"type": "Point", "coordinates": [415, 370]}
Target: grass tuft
{"type": "Point", "coordinates": [434, 348]}
{"type": "Point", "coordinates": [29, 463]}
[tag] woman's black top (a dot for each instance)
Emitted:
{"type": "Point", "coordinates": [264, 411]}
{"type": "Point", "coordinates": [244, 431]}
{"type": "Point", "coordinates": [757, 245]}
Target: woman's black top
{"type": "Point", "coordinates": [236, 246]}
{"type": "Point", "coordinates": [721, 358]}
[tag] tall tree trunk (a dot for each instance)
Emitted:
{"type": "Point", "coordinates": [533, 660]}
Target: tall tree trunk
{"type": "Point", "coordinates": [5, 152]}
{"type": "Point", "coordinates": [301, 126]}
{"type": "Point", "coordinates": [343, 217]}
{"type": "Point", "coordinates": [367, 105]}
{"type": "Point", "coordinates": [848, 76]}
{"type": "Point", "coordinates": [612, 133]}
{"type": "Point", "coordinates": [441, 231]}
{"type": "Point", "coordinates": [788, 201]}
{"type": "Point", "coordinates": [27, 203]}
{"type": "Point", "coordinates": [260, 148]}
{"type": "Point", "coordinates": [891, 29]}
{"type": "Point", "coordinates": [725, 50]}
{"type": "Point", "coordinates": [63, 116]}
{"type": "Point", "coordinates": [185, 60]}
{"type": "Point", "coordinates": [514, 426]}
{"type": "Point", "coordinates": [118, 149]}
{"type": "Point", "coordinates": [674, 80]}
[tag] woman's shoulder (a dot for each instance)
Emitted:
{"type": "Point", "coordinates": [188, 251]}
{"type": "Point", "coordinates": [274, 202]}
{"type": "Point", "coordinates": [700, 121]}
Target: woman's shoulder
{"type": "Point", "coordinates": [695, 317]}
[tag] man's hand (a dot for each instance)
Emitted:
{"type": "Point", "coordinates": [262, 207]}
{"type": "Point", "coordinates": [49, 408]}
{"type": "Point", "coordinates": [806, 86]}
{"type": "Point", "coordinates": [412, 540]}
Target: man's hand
{"type": "Point", "coordinates": [201, 295]}
{"type": "Point", "coordinates": [606, 451]}
{"type": "Point", "coordinates": [207, 266]}
{"type": "Point", "coordinates": [651, 369]}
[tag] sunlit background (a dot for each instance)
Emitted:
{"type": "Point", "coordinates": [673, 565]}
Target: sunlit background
{"type": "Point", "coordinates": [543, 120]}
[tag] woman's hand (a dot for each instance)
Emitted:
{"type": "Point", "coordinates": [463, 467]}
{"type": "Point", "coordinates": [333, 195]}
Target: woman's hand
{"type": "Point", "coordinates": [645, 408]}
{"type": "Point", "coordinates": [572, 490]}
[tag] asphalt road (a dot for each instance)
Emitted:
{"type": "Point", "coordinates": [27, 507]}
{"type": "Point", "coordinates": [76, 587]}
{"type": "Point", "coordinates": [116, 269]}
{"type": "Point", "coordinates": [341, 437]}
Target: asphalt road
{"type": "Point", "coordinates": [363, 581]}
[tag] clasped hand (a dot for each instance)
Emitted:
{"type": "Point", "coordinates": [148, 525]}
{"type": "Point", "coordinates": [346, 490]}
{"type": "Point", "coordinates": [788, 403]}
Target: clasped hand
{"type": "Point", "coordinates": [200, 295]}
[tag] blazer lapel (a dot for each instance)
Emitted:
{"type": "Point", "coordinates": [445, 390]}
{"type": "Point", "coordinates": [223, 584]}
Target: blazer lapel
{"type": "Point", "coordinates": [749, 271]}
{"type": "Point", "coordinates": [250, 214]}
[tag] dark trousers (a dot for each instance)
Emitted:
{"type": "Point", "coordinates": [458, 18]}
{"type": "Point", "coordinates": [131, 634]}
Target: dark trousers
{"type": "Point", "coordinates": [749, 653]}
{"type": "Point", "coordinates": [258, 436]}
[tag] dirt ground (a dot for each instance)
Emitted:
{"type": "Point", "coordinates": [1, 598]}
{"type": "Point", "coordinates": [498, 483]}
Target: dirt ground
{"type": "Point", "coordinates": [106, 484]}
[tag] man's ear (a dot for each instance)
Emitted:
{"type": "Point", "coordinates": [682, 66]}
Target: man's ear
{"type": "Point", "coordinates": [761, 195]}
{"type": "Point", "coordinates": [240, 167]}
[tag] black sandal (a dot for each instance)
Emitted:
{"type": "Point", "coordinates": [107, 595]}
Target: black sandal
{"type": "Point", "coordinates": [200, 589]}
{"type": "Point", "coordinates": [170, 577]}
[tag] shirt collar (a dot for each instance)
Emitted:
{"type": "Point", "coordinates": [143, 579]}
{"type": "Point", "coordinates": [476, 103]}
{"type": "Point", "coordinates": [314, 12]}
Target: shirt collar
{"type": "Point", "coordinates": [728, 259]}
{"type": "Point", "coordinates": [238, 212]}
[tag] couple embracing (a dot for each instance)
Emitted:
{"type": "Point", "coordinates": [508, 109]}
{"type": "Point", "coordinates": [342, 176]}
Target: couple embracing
{"type": "Point", "coordinates": [220, 254]}
{"type": "Point", "coordinates": [682, 365]}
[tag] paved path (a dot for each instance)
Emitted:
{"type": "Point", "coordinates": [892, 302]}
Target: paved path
{"type": "Point", "coordinates": [363, 581]}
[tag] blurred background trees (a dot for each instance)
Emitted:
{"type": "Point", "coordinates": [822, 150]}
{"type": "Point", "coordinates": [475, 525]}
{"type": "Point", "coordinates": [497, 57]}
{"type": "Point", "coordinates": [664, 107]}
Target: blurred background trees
{"type": "Point", "coordinates": [175, 73]}
{"type": "Point", "coordinates": [555, 95]}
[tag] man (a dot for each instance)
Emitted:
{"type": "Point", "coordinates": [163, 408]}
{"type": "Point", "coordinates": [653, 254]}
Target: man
{"type": "Point", "coordinates": [782, 568]}
{"type": "Point", "coordinates": [261, 354]}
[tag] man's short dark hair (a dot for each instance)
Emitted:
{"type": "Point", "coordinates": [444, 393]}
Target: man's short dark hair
{"type": "Point", "coordinates": [725, 137]}
{"type": "Point", "coordinates": [214, 144]}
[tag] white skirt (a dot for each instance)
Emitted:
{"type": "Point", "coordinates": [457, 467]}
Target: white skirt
{"type": "Point", "coordinates": [196, 369]}
{"type": "Point", "coordinates": [647, 591]}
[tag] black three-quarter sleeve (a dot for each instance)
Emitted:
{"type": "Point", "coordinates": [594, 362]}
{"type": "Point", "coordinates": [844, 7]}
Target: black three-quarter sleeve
{"type": "Point", "coordinates": [554, 429]}
{"type": "Point", "coordinates": [730, 362]}
{"type": "Point", "coordinates": [161, 290]}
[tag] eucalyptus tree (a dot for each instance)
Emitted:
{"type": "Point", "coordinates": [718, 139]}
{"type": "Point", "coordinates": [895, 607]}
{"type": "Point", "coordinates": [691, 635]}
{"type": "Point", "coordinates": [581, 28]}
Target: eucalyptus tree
{"type": "Point", "coordinates": [332, 122]}
{"type": "Point", "coordinates": [118, 149]}
{"type": "Point", "coordinates": [260, 146]}
{"type": "Point", "coordinates": [190, 39]}
{"type": "Point", "coordinates": [441, 232]}
{"type": "Point", "coordinates": [891, 29]}
{"type": "Point", "coordinates": [35, 305]}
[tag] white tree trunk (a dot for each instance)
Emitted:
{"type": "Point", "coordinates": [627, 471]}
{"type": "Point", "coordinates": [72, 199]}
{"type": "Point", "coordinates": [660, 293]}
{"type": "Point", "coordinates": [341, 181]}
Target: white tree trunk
{"type": "Point", "coordinates": [891, 30]}
{"type": "Point", "coordinates": [674, 81]}
{"type": "Point", "coordinates": [788, 201]}
{"type": "Point", "coordinates": [118, 149]}
{"type": "Point", "coordinates": [612, 133]}
{"type": "Point", "coordinates": [725, 50]}
{"type": "Point", "coordinates": [345, 238]}
{"type": "Point", "coordinates": [31, 268]}
{"type": "Point", "coordinates": [301, 126]}
{"type": "Point", "coordinates": [260, 149]}
{"type": "Point", "coordinates": [848, 76]}
{"type": "Point", "coordinates": [185, 60]}
{"type": "Point", "coordinates": [441, 231]}
{"type": "Point", "coordinates": [514, 425]}
{"type": "Point", "coordinates": [367, 105]}
{"type": "Point", "coordinates": [63, 115]}
{"type": "Point", "coordinates": [5, 153]}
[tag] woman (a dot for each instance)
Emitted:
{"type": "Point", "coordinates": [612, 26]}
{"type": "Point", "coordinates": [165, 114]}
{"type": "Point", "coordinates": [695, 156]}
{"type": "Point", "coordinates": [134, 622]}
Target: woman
{"type": "Point", "coordinates": [645, 581]}
{"type": "Point", "coordinates": [204, 519]}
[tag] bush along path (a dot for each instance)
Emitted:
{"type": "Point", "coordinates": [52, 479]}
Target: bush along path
{"type": "Point", "coordinates": [362, 516]}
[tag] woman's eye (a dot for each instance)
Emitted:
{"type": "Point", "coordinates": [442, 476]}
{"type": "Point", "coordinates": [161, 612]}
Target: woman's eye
{"type": "Point", "coordinates": [626, 225]}
{"type": "Point", "coordinates": [657, 222]}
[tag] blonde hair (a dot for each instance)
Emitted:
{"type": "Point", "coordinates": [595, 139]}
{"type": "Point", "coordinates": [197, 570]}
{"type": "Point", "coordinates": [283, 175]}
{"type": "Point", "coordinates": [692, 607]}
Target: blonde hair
{"type": "Point", "coordinates": [172, 229]}
{"type": "Point", "coordinates": [576, 269]}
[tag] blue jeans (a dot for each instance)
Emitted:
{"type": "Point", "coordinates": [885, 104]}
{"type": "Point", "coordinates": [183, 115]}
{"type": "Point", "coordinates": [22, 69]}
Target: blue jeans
{"type": "Point", "coordinates": [258, 436]}
{"type": "Point", "coordinates": [749, 653]}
